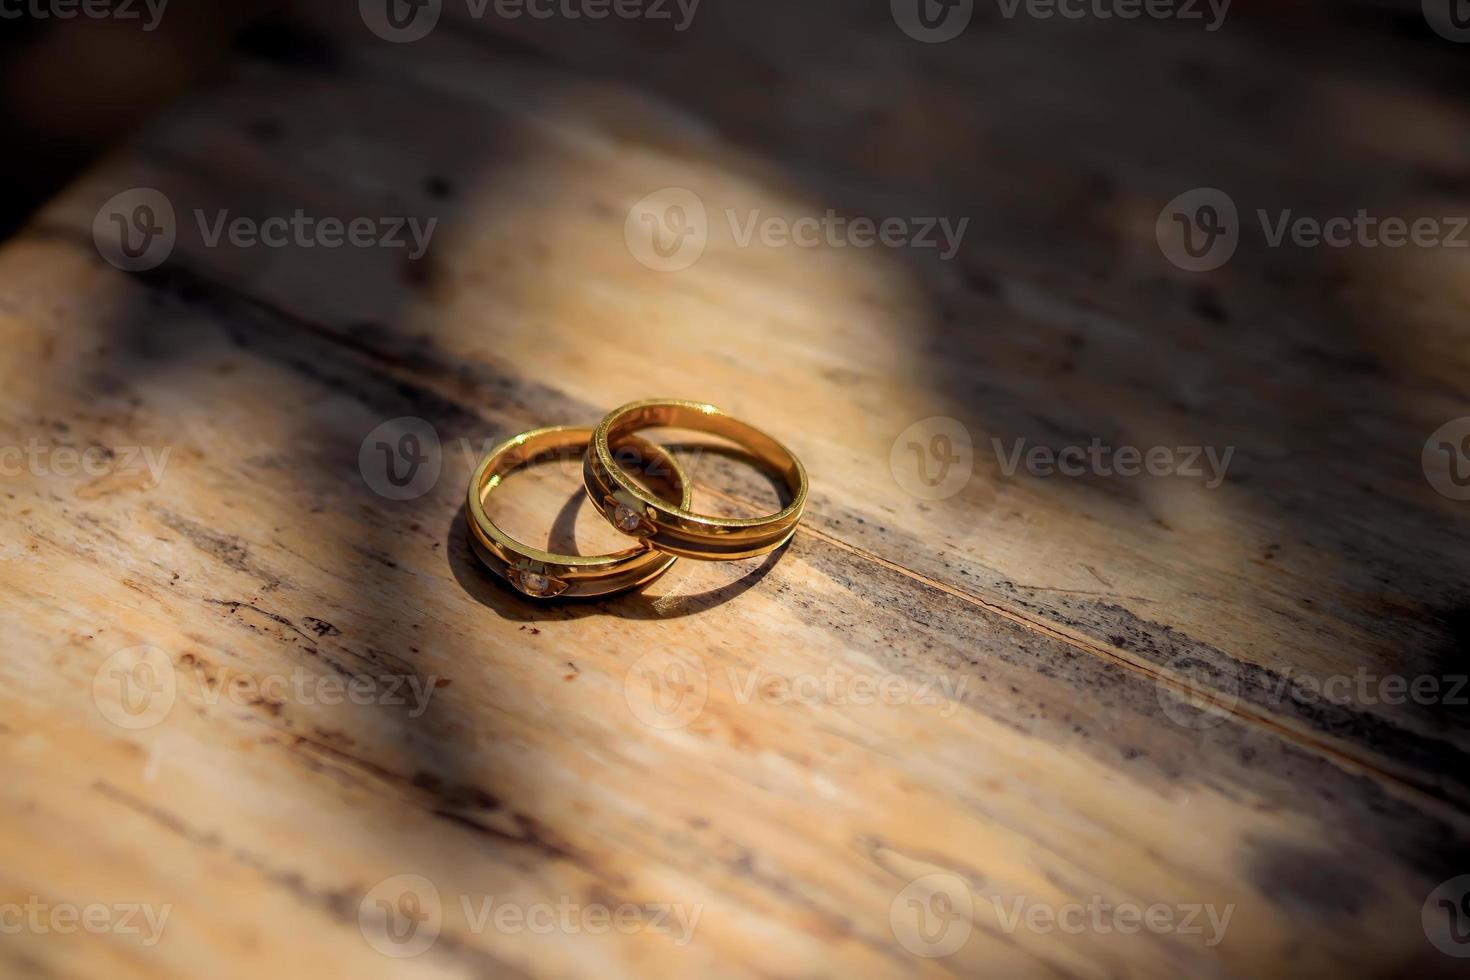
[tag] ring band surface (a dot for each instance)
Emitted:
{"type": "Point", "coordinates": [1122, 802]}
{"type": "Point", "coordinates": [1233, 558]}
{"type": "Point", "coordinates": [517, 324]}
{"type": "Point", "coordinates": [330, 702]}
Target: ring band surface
{"type": "Point", "coordinates": [675, 529]}
{"type": "Point", "coordinates": [543, 574]}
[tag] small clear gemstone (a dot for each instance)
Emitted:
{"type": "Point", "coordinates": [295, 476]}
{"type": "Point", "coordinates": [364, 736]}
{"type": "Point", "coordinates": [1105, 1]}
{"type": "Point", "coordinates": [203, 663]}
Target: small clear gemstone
{"type": "Point", "coordinates": [626, 518]}
{"type": "Point", "coordinates": [534, 583]}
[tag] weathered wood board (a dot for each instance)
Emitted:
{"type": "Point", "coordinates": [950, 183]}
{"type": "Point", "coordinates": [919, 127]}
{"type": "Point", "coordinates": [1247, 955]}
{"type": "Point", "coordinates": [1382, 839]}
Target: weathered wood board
{"type": "Point", "coordinates": [1045, 691]}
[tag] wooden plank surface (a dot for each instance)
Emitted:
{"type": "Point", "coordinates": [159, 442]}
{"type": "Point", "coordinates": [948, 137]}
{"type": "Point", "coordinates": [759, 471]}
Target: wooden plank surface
{"type": "Point", "coordinates": [1092, 690]}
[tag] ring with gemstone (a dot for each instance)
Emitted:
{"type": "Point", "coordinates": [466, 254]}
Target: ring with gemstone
{"type": "Point", "coordinates": [543, 574]}
{"type": "Point", "coordinates": [675, 529]}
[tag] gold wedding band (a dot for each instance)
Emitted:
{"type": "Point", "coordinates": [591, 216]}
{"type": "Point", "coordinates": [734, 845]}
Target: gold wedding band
{"type": "Point", "coordinates": [677, 530]}
{"type": "Point", "coordinates": [543, 574]}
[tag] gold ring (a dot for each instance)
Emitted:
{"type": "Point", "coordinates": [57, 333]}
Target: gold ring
{"type": "Point", "coordinates": [542, 574]}
{"type": "Point", "coordinates": [675, 529]}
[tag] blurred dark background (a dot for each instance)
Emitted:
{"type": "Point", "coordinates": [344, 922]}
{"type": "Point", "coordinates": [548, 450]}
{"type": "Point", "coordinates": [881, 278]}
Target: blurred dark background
{"type": "Point", "coordinates": [71, 88]}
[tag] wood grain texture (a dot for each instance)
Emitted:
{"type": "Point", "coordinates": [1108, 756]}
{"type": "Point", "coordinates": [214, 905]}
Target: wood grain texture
{"type": "Point", "coordinates": [1037, 636]}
